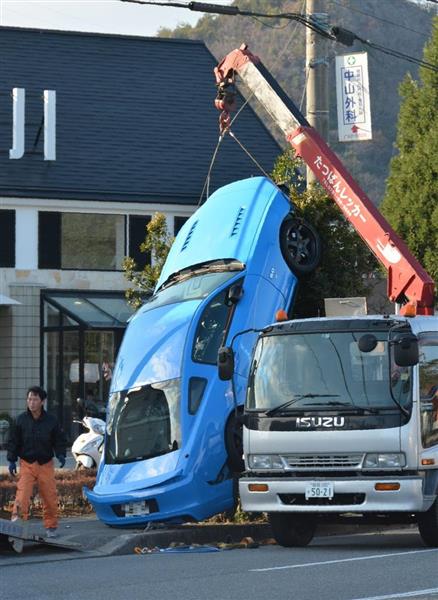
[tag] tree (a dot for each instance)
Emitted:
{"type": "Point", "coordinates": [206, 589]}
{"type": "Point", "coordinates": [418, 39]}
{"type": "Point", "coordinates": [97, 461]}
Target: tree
{"type": "Point", "coordinates": [157, 242]}
{"type": "Point", "coordinates": [411, 200]}
{"type": "Point", "coordinates": [346, 260]}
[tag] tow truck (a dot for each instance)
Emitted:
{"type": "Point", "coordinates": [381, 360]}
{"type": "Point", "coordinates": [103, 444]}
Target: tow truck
{"type": "Point", "coordinates": [341, 414]}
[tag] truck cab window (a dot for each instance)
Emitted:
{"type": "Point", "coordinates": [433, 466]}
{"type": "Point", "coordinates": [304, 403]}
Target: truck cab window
{"type": "Point", "coordinates": [428, 379]}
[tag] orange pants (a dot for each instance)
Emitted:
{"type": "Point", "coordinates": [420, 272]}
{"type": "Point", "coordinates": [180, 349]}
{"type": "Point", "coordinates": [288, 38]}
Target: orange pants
{"type": "Point", "coordinates": [44, 477]}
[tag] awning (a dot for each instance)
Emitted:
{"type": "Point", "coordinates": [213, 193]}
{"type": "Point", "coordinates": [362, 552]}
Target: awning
{"type": "Point", "coordinates": [7, 301]}
{"type": "Point", "coordinates": [99, 310]}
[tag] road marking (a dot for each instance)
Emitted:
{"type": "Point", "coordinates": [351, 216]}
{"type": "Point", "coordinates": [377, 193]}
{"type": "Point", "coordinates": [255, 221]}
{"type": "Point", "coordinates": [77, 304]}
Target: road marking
{"type": "Point", "coordinates": [401, 595]}
{"type": "Point", "coordinates": [343, 560]}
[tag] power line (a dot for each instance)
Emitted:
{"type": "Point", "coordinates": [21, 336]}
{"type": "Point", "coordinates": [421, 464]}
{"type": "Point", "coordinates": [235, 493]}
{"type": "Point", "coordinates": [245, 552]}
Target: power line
{"type": "Point", "coordinates": [236, 11]}
{"type": "Point", "coordinates": [362, 12]}
{"type": "Point", "coordinates": [339, 34]}
{"type": "Point", "coordinates": [397, 54]}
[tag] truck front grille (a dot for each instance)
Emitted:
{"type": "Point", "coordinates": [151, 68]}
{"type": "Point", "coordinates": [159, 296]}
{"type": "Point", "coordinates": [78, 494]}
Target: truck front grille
{"type": "Point", "coordinates": [312, 462]}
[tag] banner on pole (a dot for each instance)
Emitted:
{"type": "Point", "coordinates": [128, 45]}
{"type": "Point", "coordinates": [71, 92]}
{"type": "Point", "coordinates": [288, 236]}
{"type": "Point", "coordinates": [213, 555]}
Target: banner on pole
{"type": "Point", "coordinates": [353, 97]}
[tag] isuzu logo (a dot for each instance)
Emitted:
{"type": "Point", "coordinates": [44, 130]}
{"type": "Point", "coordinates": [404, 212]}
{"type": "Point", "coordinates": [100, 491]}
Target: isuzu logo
{"type": "Point", "coordinates": [329, 422]}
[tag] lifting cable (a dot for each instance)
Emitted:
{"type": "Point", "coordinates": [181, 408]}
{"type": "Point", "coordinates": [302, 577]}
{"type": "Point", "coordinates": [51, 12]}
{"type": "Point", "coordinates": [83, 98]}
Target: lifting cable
{"type": "Point", "coordinates": [206, 185]}
{"type": "Point", "coordinates": [248, 153]}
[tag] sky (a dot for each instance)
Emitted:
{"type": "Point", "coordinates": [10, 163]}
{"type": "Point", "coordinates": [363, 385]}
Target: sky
{"type": "Point", "coordinates": [104, 16]}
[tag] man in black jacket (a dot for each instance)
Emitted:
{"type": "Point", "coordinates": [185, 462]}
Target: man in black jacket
{"type": "Point", "coordinates": [35, 437]}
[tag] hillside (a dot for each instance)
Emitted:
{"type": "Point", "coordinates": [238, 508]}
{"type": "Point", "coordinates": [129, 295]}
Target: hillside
{"type": "Point", "coordinates": [398, 24]}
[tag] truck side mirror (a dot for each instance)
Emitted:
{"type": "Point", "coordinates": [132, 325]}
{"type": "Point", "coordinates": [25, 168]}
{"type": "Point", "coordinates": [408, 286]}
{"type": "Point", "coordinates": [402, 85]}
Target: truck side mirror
{"type": "Point", "coordinates": [234, 294]}
{"type": "Point", "coordinates": [406, 353]}
{"type": "Point", "coordinates": [367, 342]}
{"type": "Point", "coordinates": [225, 363]}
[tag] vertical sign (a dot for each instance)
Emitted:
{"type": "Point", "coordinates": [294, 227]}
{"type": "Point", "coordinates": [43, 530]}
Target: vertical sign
{"type": "Point", "coordinates": [19, 124]}
{"type": "Point", "coordinates": [18, 102]}
{"type": "Point", "coordinates": [353, 97]}
{"type": "Point", "coordinates": [49, 125]}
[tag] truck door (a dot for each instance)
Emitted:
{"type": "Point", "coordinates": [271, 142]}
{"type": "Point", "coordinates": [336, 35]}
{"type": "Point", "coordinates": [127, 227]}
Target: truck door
{"type": "Point", "coordinates": [428, 379]}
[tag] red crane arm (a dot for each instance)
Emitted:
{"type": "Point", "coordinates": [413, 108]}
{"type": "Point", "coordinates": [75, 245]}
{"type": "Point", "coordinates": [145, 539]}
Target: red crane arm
{"type": "Point", "coordinates": [407, 279]}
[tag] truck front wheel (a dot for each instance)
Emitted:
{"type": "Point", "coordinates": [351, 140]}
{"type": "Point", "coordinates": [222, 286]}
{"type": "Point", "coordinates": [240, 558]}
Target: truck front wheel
{"type": "Point", "coordinates": [291, 530]}
{"type": "Point", "coordinates": [428, 525]}
{"type": "Point", "coordinates": [234, 442]}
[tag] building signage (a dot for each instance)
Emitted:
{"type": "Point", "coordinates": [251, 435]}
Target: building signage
{"type": "Point", "coordinates": [353, 97]}
{"type": "Point", "coordinates": [18, 124]}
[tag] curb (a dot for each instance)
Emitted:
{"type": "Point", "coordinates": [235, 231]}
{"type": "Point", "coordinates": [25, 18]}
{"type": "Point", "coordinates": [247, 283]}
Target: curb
{"type": "Point", "coordinates": [220, 534]}
{"type": "Point", "coordinates": [187, 535]}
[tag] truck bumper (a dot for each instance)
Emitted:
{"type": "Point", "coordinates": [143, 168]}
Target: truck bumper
{"type": "Point", "coordinates": [352, 495]}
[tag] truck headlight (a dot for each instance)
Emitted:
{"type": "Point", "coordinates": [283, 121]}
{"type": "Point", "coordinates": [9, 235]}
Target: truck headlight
{"type": "Point", "coordinates": [265, 461]}
{"type": "Point", "coordinates": [384, 461]}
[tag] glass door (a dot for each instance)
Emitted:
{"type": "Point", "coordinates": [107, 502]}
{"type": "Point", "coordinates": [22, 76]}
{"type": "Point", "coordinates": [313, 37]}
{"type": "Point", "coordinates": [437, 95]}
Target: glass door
{"type": "Point", "coordinates": [72, 380]}
{"type": "Point", "coordinates": [99, 355]}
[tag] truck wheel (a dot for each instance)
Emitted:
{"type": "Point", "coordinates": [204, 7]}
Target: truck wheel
{"type": "Point", "coordinates": [231, 512]}
{"type": "Point", "coordinates": [291, 530]}
{"type": "Point", "coordinates": [428, 525]}
{"type": "Point", "coordinates": [300, 245]}
{"type": "Point", "coordinates": [234, 443]}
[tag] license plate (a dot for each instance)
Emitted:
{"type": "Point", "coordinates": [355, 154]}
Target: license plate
{"type": "Point", "coordinates": [136, 509]}
{"type": "Point", "coordinates": [319, 489]}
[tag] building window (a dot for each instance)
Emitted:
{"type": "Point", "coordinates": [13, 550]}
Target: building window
{"type": "Point", "coordinates": [137, 235]}
{"type": "Point", "coordinates": [7, 238]}
{"type": "Point", "coordinates": [81, 241]}
{"type": "Point", "coordinates": [49, 240]}
{"type": "Point", "coordinates": [178, 222]}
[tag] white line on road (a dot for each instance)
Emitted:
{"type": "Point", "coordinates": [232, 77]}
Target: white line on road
{"type": "Point", "coordinates": [401, 595]}
{"type": "Point", "coordinates": [342, 560]}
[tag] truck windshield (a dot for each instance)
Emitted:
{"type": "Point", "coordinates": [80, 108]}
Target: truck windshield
{"type": "Point", "coordinates": [327, 369]}
{"type": "Point", "coordinates": [143, 422]}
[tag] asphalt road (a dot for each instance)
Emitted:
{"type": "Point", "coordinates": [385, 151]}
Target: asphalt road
{"type": "Point", "coordinates": [387, 566]}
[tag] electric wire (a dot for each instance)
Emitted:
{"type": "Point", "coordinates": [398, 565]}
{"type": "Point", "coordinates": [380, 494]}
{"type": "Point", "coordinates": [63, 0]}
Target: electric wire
{"type": "Point", "coordinates": [383, 20]}
{"type": "Point", "coordinates": [235, 11]}
{"type": "Point", "coordinates": [398, 54]}
{"type": "Point", "coordinates": [303, 95]}
{"type": "Point", "coordinates": [303, 19]}
{"type": "Point", "coordinates": [258, 20]}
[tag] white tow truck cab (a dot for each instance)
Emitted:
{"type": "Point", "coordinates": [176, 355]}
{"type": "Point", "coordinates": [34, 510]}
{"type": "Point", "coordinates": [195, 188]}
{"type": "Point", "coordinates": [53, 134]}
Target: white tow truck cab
{"type": "Point", "coordinates": [341, 419]}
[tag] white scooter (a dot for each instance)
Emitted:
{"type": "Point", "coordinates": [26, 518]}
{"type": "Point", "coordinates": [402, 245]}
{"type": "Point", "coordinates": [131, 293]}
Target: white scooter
{"type": "Point", "coordinates": [87, 447]}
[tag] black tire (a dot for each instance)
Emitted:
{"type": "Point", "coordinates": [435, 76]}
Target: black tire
{"type": "Point", "coordinates": [300, 245]}
{"type": "Point", "coordinates": [231, 512]}
{"type": "Point", "coordinates": [234, 442]}
{"type": "Point", "coordinates": [292, 530]}
{"type": "Point", "coordinates": [428, 525]}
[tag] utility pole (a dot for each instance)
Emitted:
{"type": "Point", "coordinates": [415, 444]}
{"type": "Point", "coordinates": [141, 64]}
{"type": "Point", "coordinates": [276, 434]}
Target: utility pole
{"type": "Point", "coordinates": [317, 97]}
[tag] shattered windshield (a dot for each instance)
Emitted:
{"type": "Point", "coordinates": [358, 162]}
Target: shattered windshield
{"type": "Point", "coordinates": [195, 285]}
{"type": "Point", "coordinates": [325, 369]}
{"type": "Point", "coordinates": [143, 422]}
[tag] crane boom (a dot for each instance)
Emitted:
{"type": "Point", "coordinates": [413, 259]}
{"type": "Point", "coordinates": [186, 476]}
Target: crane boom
{"type": "Point", "coordinates": [408, 282]}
